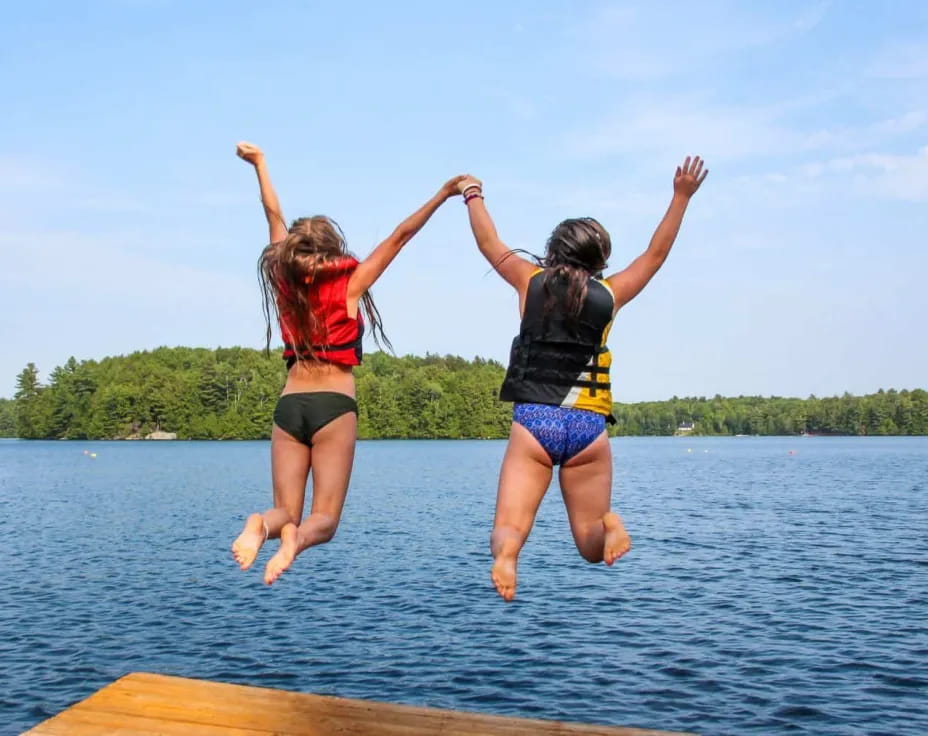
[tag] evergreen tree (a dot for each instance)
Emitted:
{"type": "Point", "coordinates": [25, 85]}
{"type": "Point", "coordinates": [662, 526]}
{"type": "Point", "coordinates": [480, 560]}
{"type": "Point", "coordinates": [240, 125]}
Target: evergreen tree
{"type": "Point", "coordinates": [230, 393]}
{"type": "Point", "coordinates": [7, 418]}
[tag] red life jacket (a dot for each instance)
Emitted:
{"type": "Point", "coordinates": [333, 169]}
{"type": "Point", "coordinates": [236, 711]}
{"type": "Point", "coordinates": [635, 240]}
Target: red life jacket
{"type": "Point", "coordinates": [339, 337]}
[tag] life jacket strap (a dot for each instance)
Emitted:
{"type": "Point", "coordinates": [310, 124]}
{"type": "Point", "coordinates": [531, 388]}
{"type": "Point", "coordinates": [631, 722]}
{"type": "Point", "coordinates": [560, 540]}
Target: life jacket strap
{"type": "Point", "coordinates": [556, 379]}
{"type": "Point", "coordinates": [288, 348]}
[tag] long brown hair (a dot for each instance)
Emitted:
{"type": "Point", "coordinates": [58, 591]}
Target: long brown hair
{"type": "Point", "coordinates": [313, 247]}
{"type": "Point", "coordinates": [577, 249]}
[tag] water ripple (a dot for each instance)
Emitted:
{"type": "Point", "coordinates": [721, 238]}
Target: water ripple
{"type": "Point", "coordinates": [765, 594]}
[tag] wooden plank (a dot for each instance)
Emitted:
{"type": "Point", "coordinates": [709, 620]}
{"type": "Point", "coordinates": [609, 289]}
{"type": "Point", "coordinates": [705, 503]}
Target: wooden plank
{"type": "Point", "coordinates": [147, 703]}
{"type": "Point", "coordinates": [82, 722]}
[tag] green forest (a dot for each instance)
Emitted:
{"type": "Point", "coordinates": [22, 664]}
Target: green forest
{"type": "Point", "coordinates": [230, 393]}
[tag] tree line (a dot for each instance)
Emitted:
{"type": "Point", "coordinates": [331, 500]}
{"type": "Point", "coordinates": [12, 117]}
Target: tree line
{"type": "Point", "coordinates": [230, 393]}
{"type": "Point", "coordinates": [888, 412]}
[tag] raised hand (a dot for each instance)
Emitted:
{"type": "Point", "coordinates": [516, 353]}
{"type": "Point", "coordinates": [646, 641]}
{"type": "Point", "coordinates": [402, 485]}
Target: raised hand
{"type": "Point", "coordinates": [249, 152]}
{"type": "Point", "coordinates": [466, 182]}
{"type": "Point", "coordinates": [451, 187]}
{"type": "Point", "coordinates": [689, 176]}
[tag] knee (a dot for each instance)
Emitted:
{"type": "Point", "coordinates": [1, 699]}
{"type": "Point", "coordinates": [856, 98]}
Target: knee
{"type": "Point", "coordinates": [293, 517]}
{"type": "Point", "coordinates": [326, 527]}
{"type": "Point", "coordinates": [511, 526]}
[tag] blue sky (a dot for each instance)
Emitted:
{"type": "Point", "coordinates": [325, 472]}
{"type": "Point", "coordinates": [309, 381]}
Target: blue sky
{"type": "Point", "coordinates": [128, 223]}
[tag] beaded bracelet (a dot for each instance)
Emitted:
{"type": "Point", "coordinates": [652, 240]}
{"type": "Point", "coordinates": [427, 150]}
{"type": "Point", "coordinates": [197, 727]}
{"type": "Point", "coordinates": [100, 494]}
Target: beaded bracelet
{"type": "Point", "coordinates": [469, 197]}
{"type": "Point", "coordinates": [471, 186]}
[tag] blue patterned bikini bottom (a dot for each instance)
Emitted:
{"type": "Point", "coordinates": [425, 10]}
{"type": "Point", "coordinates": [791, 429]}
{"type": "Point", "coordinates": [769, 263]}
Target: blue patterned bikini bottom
{"type": "Point", "coordinates": [563, 432]}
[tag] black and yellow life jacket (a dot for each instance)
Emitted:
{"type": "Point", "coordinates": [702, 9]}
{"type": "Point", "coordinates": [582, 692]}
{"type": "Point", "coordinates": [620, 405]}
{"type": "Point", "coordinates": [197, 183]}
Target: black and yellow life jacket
{"type": "Point", "coordinates": [559, 361]}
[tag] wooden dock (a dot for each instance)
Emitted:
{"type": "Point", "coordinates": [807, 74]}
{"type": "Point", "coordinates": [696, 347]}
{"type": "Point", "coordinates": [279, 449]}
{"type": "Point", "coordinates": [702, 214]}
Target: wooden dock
{"type": "Point", "coordinates": [143, 703]}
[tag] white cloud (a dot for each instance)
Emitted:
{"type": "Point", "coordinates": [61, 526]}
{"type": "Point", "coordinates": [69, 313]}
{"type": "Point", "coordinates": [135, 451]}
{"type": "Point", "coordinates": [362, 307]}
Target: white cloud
{"type": "Point", "coordinates": [810, 17]}
{"type": "Point", "coordinates": [901, 177]}
{"type": "Point", "coordinates": [643, 43]}
{"type": "Point", "coordinates": [20, 175]}
{"type": "Point", "coordinates": [907, 123]}
{"type": "Point", "coordinates": [903, 60]}
{"type": "Point", "coordinates": [92, 295]}
{"type": "Point", "coordinates": [680, 124]}
{"type": "Point", "coordinates": [650, 41]}
{"type": "Point", "coordinates": [619, 199]}
{"type": "Point", "coordinates": [850, 138]}
{"type": "Point", "coordinates": [107, 268]}
{"type": "Point", "coordinates": [893, 176]}
{"type": "Point", "coordinates": [692, 125]}
{"type": "Point", "coordinates": [30, 182]}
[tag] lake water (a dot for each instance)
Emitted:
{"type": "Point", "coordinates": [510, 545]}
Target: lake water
{"type": "Point", "coordinates": [766, 592]}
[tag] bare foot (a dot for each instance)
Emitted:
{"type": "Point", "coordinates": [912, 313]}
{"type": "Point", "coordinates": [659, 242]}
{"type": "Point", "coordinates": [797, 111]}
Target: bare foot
{"type": "Point", "coordinates": [285, 555]}
{"type": "Point", "coordinates": [503, 572]}
{"type": "Point", "coordinates": [245, 548]}
{"type": "Point", "coordinates": [617, 541]}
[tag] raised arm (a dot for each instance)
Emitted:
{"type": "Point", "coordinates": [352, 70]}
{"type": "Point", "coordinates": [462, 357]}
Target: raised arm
{"type": "Point", "coordinates": [514, 269]}
{"type": "Point", "coordinates": [277, 226]}
{"type": "Point", "coordinates": [627, 284]}
{"type": "Point", "coordinates": [372, 267]}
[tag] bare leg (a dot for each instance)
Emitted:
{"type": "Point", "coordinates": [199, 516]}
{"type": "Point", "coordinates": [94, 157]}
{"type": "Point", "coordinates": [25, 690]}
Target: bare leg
{"type": "Point", "coordinates": [523, 480]}
{"type": "Point", "coordinates": [290, 463]}
{"type": "Point", "coordinates": [333, 456]}
{"type": "Point", "coordinates": [586, 484]}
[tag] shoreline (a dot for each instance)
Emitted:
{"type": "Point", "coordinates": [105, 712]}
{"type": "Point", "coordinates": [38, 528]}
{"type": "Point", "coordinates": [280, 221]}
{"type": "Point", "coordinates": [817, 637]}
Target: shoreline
{"type": "Point", "coordinates": [135, 440]}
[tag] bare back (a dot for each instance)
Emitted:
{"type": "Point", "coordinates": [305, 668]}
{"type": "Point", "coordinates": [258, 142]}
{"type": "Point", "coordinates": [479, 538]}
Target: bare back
{"type": "Point", "coordinates": [308, 375]}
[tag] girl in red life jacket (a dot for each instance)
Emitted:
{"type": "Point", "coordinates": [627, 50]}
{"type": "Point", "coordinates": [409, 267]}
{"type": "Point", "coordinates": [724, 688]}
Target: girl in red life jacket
{"type": "Point", "coordinates": [319, 292]}
{"type": "Point", "coordinates": [558, 375]}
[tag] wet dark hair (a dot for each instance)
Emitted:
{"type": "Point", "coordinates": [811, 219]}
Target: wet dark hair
{"type": "Point", "coordinates": [314, 247]}
{"type": "Point", "coordinates": [577, 249]}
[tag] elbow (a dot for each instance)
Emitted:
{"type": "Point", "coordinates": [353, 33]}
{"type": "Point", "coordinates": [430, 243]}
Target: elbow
{"type": "Point", "coordinates": [486, 241]}
{"type": "Point", "coordinates": [399, 238]}
{"type": "Point", "coordinates": [657, 255]}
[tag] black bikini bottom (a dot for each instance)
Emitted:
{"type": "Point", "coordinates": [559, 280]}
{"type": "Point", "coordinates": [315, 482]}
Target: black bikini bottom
{"type": "Point", "coordinates": [302, 415]}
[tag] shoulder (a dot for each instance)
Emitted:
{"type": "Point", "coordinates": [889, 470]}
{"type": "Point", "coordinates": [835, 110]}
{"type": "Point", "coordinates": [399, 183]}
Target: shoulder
{"type": "Point", "coordinates": [344, 266]}
{"type": "Point", "coordinates": [536, 279]}
{"type": "Point", "coordinates": [602, 286]}
{"type": "Point", "coordinates": [537, 274]}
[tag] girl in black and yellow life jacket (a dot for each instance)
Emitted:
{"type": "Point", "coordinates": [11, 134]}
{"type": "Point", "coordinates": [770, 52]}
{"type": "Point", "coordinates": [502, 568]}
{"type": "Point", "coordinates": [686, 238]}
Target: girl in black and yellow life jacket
{"type": "Point", "coordinates": [558, 375]}
{"type": "Point", "coordinates": [318, 291]}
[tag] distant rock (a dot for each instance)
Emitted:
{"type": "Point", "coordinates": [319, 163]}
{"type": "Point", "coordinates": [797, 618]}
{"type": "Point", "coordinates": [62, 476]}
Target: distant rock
{"type": "Point", "coordinates": [159, 435]}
